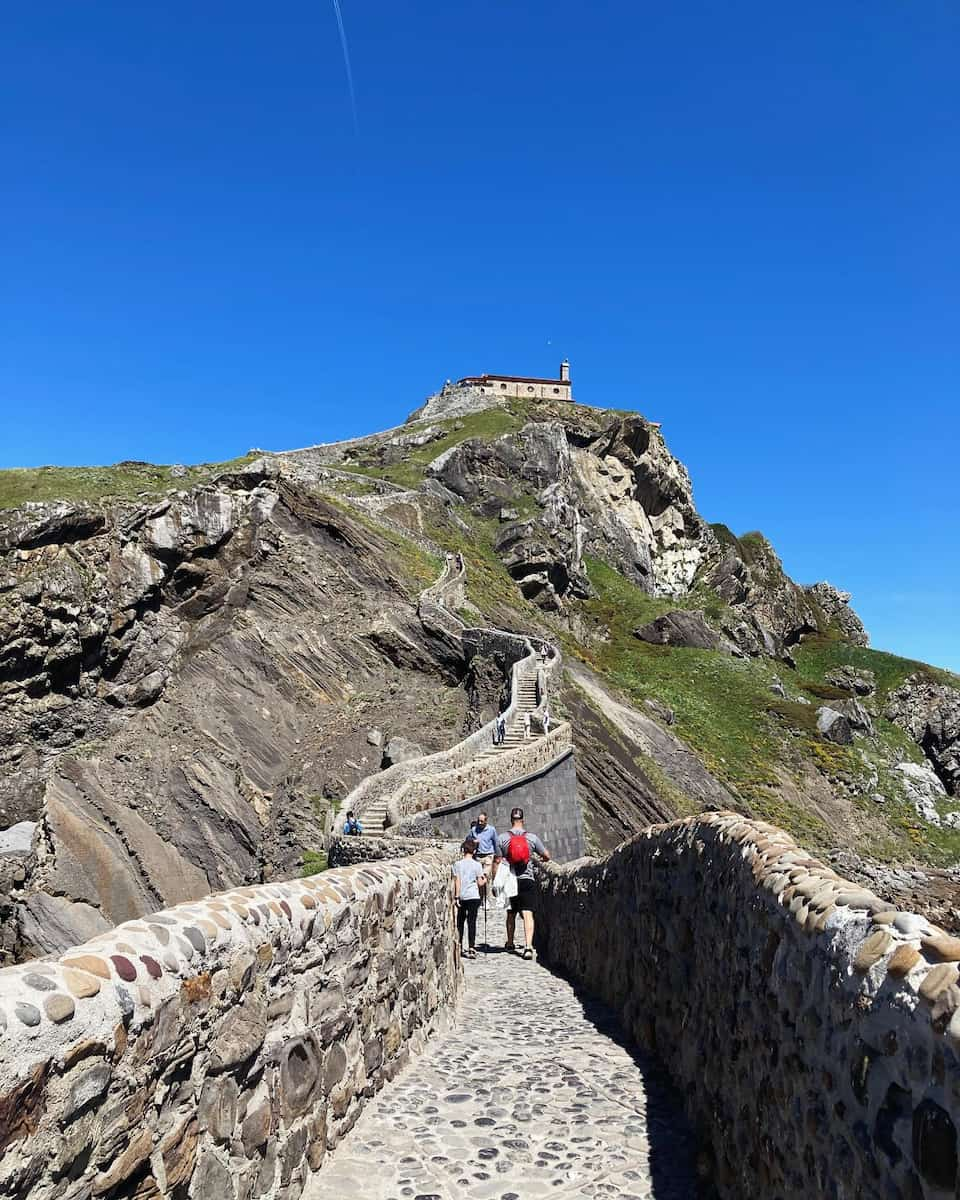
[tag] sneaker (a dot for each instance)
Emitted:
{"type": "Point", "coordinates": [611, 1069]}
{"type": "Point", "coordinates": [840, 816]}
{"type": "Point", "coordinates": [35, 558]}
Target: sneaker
{"type": "Point", "coordinates": [527, 953]}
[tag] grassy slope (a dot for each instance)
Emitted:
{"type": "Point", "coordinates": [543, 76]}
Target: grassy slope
{"type": "Point", "coordinates": [123, 480]}
{"type": "Point", "coordinates": [726, 711]}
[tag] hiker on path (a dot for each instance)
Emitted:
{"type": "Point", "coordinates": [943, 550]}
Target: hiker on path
{"type": "Point", "coordinates": [526, 724]}
{"type": "Point", "coordinates": [351, 826]}
{"type": "Point", "coordinates": [468, 878]}
{"type": "Point", "coordinates": [499, 730]}
{"type": "Point", "coordinates": [546, 719]}
{"type": "Point", "coordinates": [516, 847]}
{"type": "Point", "coordinates": [488, 844]}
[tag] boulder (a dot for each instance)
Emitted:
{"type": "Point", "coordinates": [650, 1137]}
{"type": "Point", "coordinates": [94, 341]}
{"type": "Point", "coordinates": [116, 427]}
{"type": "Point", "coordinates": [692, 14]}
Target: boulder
{"type": "Point", "coordinates": [665, 714]}
{"type": "Point", "coordinates": [834, 726]}
{"type": "Point", "coordinates": [923, 789]}
{"type": "Point", "coordinates": [18, 839]}
{"type": "Point", "coordinates": [679, 628]}
{"type": "Point", "coordinates": [400, 749]}
{"type": "Point", "coordinates": [856, 714]}
{"type": "Point", "coordinates": [854, 679]}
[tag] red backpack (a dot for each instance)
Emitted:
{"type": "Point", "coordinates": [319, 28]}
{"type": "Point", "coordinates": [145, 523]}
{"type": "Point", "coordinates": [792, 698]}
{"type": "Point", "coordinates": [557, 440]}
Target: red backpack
{"type": "Point", "coordinates": [518, 852]}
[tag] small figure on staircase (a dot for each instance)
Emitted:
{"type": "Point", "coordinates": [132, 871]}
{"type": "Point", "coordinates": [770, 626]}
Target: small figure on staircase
{"type": "Point", "coordinates": [546, 719]}
{"type": "Point", "coordinates": [499, 730]}
{"type": "Point", "coordinates": [352, 827]}
{"type": "Point", "coordinates": [526, 725]}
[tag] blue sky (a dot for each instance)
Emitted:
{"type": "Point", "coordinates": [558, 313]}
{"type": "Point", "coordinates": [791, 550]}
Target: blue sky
{"type": "Point", "coordinates": [739, 219]}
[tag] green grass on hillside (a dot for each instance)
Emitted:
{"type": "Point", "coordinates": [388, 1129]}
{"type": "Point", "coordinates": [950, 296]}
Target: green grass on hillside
{"type": "Point", "coordinates": [314, 861]}
{"type": "Point", "coordinates": [747, 737]}
{"type": "Point", "coordinates": [815, 656]}
{"type": "Point", "coordinates": [123, 480]}
{"type": "Point", "coordinates": [489, 424]}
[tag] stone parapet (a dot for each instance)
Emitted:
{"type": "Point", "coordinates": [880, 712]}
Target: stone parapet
{"type": "Point", "coordinates": [344, 851]}
{"type": "Point", "coordinates": [814, 1031]}
{"type": "Point", "coordinates": [478, 775]}
{"type": "Point", "coordinates": [217, 1049]}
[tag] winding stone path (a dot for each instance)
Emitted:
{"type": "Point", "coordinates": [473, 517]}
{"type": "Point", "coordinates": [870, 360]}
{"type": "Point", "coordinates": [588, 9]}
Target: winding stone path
{"type": "Point", "coordinates": [531, 1093]}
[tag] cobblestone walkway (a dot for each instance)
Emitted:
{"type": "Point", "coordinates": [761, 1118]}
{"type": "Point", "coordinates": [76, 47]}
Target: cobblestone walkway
{"type": "Point", "coordinates": [533, 1093]}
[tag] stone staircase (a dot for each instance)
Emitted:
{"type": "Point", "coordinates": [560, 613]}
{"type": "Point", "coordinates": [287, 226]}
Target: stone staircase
{"type": "Point", "coordinates": [474, 764]}
{"type": "Point", "coordinates": [527, 702]}
{"type": "Point", "coordinates": [374, 818]}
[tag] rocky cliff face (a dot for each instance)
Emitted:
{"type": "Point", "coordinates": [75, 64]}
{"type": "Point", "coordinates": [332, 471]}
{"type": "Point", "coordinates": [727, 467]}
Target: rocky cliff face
{"type": "Point", "coordinates": [592, 484]}
{"type": "Point", "coordinates": [187, 685]}
{"type": "Point", "coordinates": [930, 712]}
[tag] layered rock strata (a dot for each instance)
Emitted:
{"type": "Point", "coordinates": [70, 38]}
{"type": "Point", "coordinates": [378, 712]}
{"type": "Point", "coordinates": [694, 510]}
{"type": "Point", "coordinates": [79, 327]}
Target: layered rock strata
{"type": "Point", "coordinates": [185, 690]}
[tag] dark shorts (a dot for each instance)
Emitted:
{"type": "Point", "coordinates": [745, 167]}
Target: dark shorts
{"type": "Point", "coordinates": [525, 899]}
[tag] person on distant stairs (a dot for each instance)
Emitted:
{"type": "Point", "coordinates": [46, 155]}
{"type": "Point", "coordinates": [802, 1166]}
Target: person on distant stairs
{"type": "Point", "coordinates": [351, 826]}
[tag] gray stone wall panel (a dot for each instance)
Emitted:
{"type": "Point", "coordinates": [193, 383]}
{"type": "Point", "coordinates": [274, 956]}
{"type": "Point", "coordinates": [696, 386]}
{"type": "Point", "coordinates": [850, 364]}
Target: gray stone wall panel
{"type": "Point", "coordinates": [550, 803]}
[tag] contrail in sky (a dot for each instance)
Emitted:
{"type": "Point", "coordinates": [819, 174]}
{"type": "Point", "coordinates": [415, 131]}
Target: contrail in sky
{"type": "Point", "coordinates": [346, 63]}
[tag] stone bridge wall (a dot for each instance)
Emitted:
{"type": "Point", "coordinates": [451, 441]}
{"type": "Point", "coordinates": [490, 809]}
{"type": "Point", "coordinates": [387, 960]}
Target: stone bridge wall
{"type": "Point", "coordinates": [811, 1028]}
{"type": "Point", "coordinates": [479, 777]}
{"type": "Point", "coordinates": [218, 1049]}
{"type": "Point", "coordinates": [344, 851]}
{"type": "Point", "coordinates": [548, 797]}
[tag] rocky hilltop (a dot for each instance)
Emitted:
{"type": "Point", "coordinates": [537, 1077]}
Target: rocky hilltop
{"type": "Point", "coordinates": [191, 680]}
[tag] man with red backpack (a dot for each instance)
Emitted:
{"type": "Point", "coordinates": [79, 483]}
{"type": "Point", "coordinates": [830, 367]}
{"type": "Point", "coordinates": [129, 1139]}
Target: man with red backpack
{"type": "Point", "coordinates": [515, 848]}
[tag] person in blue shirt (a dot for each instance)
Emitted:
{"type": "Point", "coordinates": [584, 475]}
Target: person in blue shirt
{"type": "Point", "coordinates": [351, 825]}
{"type": "Point", "coordinates": [488, 845]}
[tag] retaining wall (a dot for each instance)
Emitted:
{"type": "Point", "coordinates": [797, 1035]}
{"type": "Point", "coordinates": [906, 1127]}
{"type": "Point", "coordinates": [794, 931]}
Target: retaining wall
{"type": "Point", "coordinates": [813, 1030]}
{"type": "Point", "coordinates": [549, 800]}
{"type": "Point", "coordinates": [479, 776]}
{"type": "Point", "coordinates": [218, 1049]}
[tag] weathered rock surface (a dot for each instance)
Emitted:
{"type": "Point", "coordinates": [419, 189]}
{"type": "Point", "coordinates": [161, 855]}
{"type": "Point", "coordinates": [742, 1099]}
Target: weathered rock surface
{"type": "Point", "coordinates": [681, 628]}
{"type": "Point", "coordinates": [930, 713]}
{"type": "Point", "coordinates": [180, 679]}
{"type": "Point", "coordinates": [400, 749]}
{"type": "Point", "coordinates": [859, 680]}
{"type": "Point", "coordinates": [924, 790]}
{"type": "Point", "coordinates": [835, 606]}
{"type": "Point", "coordinates": [834, 726]}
